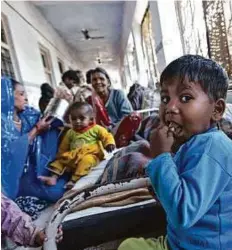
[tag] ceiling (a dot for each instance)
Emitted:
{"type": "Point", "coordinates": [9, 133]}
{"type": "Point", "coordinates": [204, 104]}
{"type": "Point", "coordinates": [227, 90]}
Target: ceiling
{"type": "Point", "coordinates": [100, 18]}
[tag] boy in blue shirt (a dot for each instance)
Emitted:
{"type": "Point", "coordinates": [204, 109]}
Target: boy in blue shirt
{"type": "Point", "coordinates": [194, 186]}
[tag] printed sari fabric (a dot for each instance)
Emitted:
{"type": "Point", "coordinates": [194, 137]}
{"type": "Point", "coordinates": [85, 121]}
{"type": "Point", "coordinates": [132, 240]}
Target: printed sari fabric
{"type": "Point", "coordinates": [15, 224]}
{"type": "Point", "coordinates": [22, 161]}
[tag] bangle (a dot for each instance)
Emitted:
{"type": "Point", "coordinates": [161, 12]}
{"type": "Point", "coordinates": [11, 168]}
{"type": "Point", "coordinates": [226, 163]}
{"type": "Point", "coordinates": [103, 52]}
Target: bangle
{"type": "Point", "coordinates": [37, 127]}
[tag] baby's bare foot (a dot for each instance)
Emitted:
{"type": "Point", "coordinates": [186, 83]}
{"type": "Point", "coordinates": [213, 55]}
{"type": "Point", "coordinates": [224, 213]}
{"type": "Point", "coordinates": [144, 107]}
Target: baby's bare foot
{"type": "Point", "coordinates": [69, 185]}
{"type": "Point", "coordinates": [51, 181]}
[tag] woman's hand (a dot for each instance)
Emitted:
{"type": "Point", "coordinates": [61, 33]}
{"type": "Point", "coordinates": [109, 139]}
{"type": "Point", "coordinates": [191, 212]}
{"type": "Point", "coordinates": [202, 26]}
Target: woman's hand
{"type": "Point", "coordinates": [44, 124]}
{"type": "Point", "coordinates": [40, 127]}
{"type": "Point", "coordinates": [161, 140]}
{"type": "Point", "coordinates": [41, 237]}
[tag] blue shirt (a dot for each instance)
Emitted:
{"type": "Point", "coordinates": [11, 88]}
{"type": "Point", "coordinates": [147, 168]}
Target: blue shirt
{"type": "Point", "coordinates": [118, 105]}
{"type": "Point", "coordinates": [195, 189]}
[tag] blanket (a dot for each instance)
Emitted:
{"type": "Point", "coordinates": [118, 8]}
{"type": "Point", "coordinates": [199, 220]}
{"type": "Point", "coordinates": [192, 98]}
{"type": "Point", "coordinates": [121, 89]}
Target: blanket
{"type": "Point", "coordinates": [127, 163]}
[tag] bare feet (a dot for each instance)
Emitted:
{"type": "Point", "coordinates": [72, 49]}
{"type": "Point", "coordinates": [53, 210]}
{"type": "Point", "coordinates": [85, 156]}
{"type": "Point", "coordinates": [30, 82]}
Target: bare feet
{"type": "Point", "coordinates": [51, 181]}
{"type": "Point", "coordinates": [69, 185]}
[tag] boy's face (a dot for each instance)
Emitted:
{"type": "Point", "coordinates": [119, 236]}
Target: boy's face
{"type": "Point", "coordinates": [186, 107]}
{"type": "Point", "coordinates": [80, 118]}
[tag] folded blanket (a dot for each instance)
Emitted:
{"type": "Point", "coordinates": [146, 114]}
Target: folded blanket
{"type": "Point", "coordinates": [115, 199]}
{"type": "Point", "coordinates": [128, 201]}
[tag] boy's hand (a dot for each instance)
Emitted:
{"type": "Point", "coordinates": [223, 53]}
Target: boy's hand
{"type": "Point", "coordinates": [110, 148]}
{"type": "Point", "coordinates": [161, 140]}
{"type": "Point", "coordinates": [40, 237]}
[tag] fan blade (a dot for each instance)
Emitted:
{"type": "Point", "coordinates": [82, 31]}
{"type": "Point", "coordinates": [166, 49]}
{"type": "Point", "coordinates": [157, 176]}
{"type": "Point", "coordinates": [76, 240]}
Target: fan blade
{"type": "Point", "coordinates": [105, 59]}
{"type": "Point", "coordinates": [97, 37]}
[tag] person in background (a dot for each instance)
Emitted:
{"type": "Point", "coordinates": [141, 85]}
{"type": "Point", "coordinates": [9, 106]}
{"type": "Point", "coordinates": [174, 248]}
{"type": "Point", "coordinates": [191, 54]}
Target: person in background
{"type": "Point", "coordinates": [47, 93]}
{"type": "Point", "coordinates": [88, 76]}
{"type": "Point", "coordinates": [81, 148]}
{"type": "Point", "coordinates": [81, 76]}
{"type": "Point", "coordinates": [71, 79]}
{"type": "Point", "coordinates": [113, 109]}
{"type": "Point", "coordinates": [135, 96]}
{"type": "Point", "coordinates": [151, 98]}
{"type": "Point", "coordinates": [75, 82]}
{"type": "Point", "coordinates": [194, 186]}
{"type": "Point", "coordinates": [19, 227]}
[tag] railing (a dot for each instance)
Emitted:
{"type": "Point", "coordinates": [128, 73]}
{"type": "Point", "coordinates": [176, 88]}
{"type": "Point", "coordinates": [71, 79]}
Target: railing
{"type": "Point", "coordinates": [147, 112]}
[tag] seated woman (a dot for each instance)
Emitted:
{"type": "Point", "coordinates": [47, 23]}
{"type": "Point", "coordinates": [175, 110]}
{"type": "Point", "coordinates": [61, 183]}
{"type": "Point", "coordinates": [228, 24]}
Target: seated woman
{"type": "Point", "coordinates": [113, 109]}
{"type": "Point", "coordinates": [28, 144]}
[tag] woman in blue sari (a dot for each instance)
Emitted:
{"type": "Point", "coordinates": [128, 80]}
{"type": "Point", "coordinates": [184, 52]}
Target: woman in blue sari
{"type": "Point", "coordinates": [28, 144]}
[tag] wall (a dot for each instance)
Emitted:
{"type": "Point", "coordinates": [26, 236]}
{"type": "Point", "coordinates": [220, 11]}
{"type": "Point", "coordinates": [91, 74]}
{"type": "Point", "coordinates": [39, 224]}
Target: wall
{"type": "Point", "coordinates": [28, 29]}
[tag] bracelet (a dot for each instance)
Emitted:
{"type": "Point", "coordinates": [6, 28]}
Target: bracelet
{"type": "Point", "coordinates": [37, 127]}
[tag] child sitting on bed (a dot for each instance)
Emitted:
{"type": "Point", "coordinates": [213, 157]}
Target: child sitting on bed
{"type": "Point", "coordinates": [81, 148]}
{"type": "Point", "coordinates": [194, 186]}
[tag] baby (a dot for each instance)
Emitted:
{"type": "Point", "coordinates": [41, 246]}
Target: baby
{"type": "Point", "coordinates": [81, 148]}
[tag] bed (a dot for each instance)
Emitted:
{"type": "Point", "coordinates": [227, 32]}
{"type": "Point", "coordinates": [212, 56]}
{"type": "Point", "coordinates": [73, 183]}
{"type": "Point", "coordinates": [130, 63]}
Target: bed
{"type": "Point", "coordinates": [96, 225]}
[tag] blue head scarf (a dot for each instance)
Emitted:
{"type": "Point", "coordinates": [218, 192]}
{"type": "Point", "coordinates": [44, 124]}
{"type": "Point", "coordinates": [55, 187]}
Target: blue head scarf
{"type": "Point", "coordinates": [14, 143]}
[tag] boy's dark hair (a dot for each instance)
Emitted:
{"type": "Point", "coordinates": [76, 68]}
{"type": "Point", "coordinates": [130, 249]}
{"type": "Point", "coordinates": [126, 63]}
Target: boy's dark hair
{"type": "Point", "coordinates": [209, 74]}
{"type": "Point", "coordinates": [78, 105]}
{"type": "Point", "coordinates": [102, 71]}
{"type": "Point", "coordinates": [72, 75]}
{"type": "Point", "coordinates": [88, 76]}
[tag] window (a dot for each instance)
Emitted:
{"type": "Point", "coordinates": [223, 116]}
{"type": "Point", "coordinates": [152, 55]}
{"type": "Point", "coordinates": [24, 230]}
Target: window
{"type": "Point", "coordinates": [131, 59]}
{"type": "Point", "coordinates": [148, 46]}
{"type": "Point", "coordinates": [61, 66]}
{"type": "Point", "coordinates": [7, 68]}
{"type": "Point", "coordinates": [46, 60]}
{"type": "Point", "coordinates": [126, 73]}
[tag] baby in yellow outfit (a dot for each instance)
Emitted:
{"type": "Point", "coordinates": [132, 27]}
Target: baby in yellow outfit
{"type": "Point", "coordinates": [81, 148]}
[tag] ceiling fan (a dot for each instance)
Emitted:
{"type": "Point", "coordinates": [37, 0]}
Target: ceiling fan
{"type": "Point", "coordinates": [103, 60]}
{"type": "Point", "coordinates": [85, 32]}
